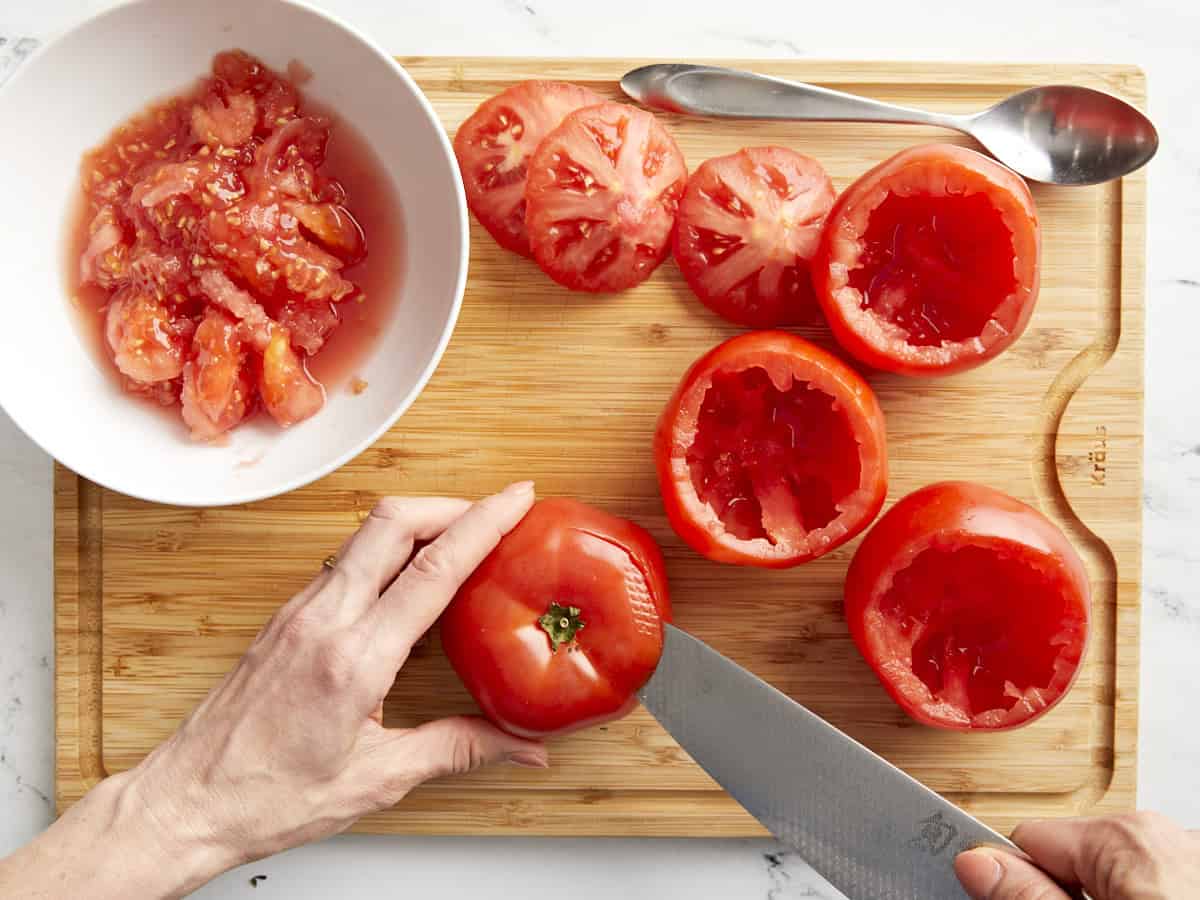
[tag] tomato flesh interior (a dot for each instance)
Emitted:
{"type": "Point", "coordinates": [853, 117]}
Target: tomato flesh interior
{"type": "Point", "coordinates": [984, 628]}
{"type": "Point", "coordinates": [772, 464]}
{"type": "Point", "coordinates": [717, 249]}
{"type": "Point", "coordinates": [501, 137]}
{"type": "Point", "coordinates": [938, 267]}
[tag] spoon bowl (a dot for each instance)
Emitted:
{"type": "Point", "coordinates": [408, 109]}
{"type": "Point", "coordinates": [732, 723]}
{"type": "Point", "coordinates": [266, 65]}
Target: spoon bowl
{"type": "Point", "coordinates": [1065, 134]}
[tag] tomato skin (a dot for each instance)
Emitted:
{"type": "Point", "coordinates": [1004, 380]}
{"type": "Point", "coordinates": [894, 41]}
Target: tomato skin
{"type": "Point", "coordinates": [881, 344]}
{"type": "Point", "coordinates": [945, 518]}
{"type": "Point", "coordinates": [601, 198]}
{"type": "Point", "coordinates": [749, 224]}
{"type": "Point", "coordinates": [493, 147]}
{"type": "Point", "coordinates": [783, 356]}
{"type": "Point", "coordinates": [572, 554]}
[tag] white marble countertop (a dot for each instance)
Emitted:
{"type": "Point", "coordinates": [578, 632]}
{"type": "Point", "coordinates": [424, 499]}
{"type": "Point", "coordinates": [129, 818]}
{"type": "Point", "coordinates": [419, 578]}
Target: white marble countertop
{"type": "Point", "coordinates": [1159, 35]}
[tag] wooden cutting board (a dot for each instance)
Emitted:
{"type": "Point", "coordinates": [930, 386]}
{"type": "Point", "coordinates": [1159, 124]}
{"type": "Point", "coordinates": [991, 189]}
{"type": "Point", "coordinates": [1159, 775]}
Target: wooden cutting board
{"type": "Point", "coordinates": [154, 604]}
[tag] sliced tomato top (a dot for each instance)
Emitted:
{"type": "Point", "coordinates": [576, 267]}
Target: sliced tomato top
{"type": "Point", "coordinates": [770, 452]}
{"type": "Point", "coordinates": [971, 607]}
{"type": "Point", "coordinates": [562, 624]}
{"type": "Point", "coordinates": [495, 143]}
{"type": "Point", "coordinates": [749, 223]}
{"type": "Point", "coordinates": [602, 195]}
{"type": "Point", "coordinates": [928, 263]}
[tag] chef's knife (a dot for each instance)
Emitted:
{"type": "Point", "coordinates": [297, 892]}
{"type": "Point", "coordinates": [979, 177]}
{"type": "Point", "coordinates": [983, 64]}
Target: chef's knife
{"type": "Point", "coordinates": [872, 831]}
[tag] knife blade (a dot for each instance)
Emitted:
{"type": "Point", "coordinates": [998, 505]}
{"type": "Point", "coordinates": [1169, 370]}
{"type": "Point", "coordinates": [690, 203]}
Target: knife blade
{"type": "Point", "coordinates": [870, 829]}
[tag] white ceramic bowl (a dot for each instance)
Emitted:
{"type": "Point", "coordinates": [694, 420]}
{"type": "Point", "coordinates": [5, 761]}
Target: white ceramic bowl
{"type": "Point", "coordinates": [67, 99]}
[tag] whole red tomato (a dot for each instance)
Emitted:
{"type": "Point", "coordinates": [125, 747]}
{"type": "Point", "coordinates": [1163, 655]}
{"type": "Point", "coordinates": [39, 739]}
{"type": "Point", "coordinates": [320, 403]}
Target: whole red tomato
{"type": "Point", "coordinates": [563, 623]}
{"type": "Point", "coordinates": [971, 607]}
{"type": "Point", "coordinates": [928, 263]}
{"type": "Point", "coordinates": [771, 452]}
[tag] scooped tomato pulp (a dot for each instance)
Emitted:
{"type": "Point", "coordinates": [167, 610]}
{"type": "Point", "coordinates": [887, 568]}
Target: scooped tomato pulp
{"type": "Point", "coordinates": [749, 223]}
{"type": "Point", "coordinates": [928, 263]}
{"type": "Point", "coordinates": [771, 452]}
{"type": "Point", "coordinates": [563, 623]}
{"type": "Point", "coordinates": [971, 607]}
{"type": "Point", "coordinates": [217, 254]}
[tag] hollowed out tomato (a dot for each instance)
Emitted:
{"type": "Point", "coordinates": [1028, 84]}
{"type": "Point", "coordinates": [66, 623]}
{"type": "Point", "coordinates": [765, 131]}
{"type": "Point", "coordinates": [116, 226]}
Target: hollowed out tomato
{"type": "Point", "coordinates": [928, 263]}
{"type": "Point", "coordinates": [971, 607]}
{"type": "Point", "coordinates": [771, 452]}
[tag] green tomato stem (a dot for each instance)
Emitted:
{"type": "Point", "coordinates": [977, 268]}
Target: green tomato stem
{"type": "Point", "coordinates": [561, 624]}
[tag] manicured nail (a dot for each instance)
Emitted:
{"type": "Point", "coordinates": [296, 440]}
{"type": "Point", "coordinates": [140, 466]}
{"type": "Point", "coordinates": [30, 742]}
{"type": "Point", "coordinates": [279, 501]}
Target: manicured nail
{"type": "Point", "coordinates": [519, 487]}
{"type": "Point", "coordinates": [530, 759]}
{"type": "Point", "coordinates": [979, 872]}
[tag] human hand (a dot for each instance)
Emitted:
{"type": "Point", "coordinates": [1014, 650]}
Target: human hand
{"type": "Point", "coordinates": [1143, 856]}
{"type": "Point", "coordinates": [290, 746]}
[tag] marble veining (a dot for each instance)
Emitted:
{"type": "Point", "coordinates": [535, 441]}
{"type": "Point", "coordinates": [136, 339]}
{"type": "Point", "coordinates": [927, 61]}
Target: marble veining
{"type": "Point", "coordinates": [528, 16]}
{"type": "Point", "coordinates": [13, 50]}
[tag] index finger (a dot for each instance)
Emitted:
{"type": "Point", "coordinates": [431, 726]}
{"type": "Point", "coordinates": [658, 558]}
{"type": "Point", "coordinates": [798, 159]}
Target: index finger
{"type": "Point", "coordinates": [373, 555]}
{"type": "Point", "coordinates": [1055, 844]}
{"type": "Point", "coordinates": [408, 608]}
{"type": "Point", "coordinates": [1072, 849]}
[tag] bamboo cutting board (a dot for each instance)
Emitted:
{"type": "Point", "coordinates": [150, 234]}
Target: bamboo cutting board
{"type": "Point", "coordinates": [154, 604]}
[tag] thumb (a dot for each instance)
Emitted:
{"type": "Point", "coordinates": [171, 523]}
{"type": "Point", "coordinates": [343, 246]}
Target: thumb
{"type": "Point", "coordinates": [461, 744]}
{"type": "Point", "coordinates": [989, 874]}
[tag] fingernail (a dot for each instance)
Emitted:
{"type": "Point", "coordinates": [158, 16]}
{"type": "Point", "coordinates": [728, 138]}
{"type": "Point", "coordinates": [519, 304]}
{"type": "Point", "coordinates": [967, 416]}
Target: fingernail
{"type": "Point", "coordinates": [529, 759]}
{"type": "Point", "coordinates": [994, 871]}
{"type": "Point", "coordinates": [979, 873]}
{"type": "Point", "coordinates": [519, 487]}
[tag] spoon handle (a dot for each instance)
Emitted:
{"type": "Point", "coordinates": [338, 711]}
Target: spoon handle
{"type": "Point", "coordinates": [729, 93]}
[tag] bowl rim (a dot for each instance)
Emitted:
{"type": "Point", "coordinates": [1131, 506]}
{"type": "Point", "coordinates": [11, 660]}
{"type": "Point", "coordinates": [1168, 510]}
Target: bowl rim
{"type": "Point", "coordinates": [85, 470]}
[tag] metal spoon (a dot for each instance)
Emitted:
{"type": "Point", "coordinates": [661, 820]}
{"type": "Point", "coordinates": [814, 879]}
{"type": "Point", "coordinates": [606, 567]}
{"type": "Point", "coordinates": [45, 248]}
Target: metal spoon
{"type": "Point", "coordinates": [1060, 134]}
